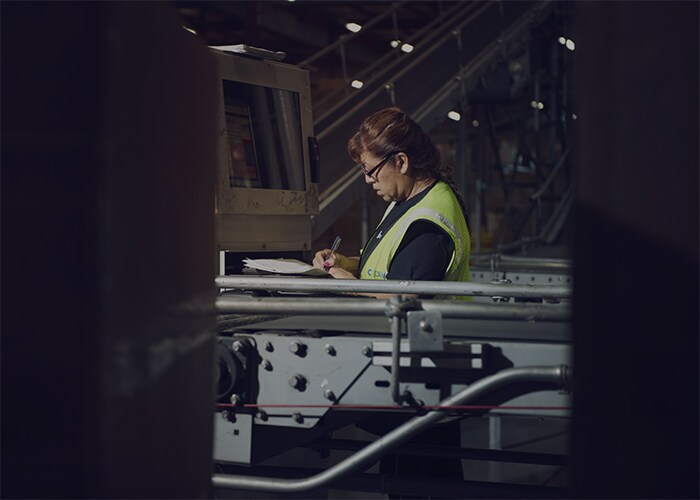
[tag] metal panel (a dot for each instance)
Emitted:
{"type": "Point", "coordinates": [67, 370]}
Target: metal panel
{"type": "Point", "coordinates": [263, 233]}
{"type": "Point", "coordinates": [258, 219]}
{"type": "Point", "coordinates": [233, 437]}
{"type": "Point", "coordinates": [303, 370]}
{"type": "Point", "coordinates": [424, 330]}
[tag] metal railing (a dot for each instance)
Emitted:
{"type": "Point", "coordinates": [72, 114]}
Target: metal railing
{"type": "Point", "coordinates": [332, 306]}
{"type": "Point", "coordinates": [398, 287]}
{"type": "Point", "coordinates": [424, 38]}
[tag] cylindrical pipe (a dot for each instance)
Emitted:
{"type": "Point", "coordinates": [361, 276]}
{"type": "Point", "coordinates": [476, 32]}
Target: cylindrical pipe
{"type": "Point", "coordinates": [331, 306]}
{"type": "Point", "coordinates": [399, 287]}
{"type": "Point", "coordinates": [369, 454]}
{"type": "Point", "coordinates": [520, 263]}
{"type": "Point", "coordinates": [395, 349]}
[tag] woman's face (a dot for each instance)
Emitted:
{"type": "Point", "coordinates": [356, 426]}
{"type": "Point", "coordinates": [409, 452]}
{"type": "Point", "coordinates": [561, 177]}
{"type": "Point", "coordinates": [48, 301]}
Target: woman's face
{"type": "Point", "coordinates": [388, 181]}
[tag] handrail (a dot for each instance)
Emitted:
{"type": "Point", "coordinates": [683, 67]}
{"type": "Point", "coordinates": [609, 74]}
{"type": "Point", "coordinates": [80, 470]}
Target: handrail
{"type": "Point", "coordinates": [408, 67]}
{"type": "Point", "coordinates": [333, 306]}
{"type": "Point", "coordinates": [382, 61]}
{"type": "Point", "coordinates": [347, 37]}
{"type": "Point", "coordinates": [525, 260]}
{"type": "Point", "coordinates": [482, 59]}
{"type": "Point", "coordinates": [398, 287]}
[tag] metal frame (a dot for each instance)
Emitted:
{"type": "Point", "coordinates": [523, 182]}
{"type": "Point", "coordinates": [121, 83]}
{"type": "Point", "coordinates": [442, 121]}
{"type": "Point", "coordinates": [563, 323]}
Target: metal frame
{"type": "Point", "coordinates": [397, 308]}
{"type": "Point", "coordinates": [558, 375]}
{"type": "Point", "coordinates": [246, 217]}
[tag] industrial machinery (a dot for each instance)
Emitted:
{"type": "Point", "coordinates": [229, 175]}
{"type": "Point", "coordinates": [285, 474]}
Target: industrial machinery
{"type": "Point", "coordinates": [298, 361]}
{"type": "Point", "coordinates": [266, 187]}
{"type": "Point", "coordinates": [303, 361]}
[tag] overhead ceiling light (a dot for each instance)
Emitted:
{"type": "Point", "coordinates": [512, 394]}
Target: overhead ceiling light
{"type": "Point", "coordinates": [570, 44]}
{"type": "Point", "coordinates": [540, 105]}
{"type": "Point", "coordinates": [562, 40]}
{"type": "Point", "coordinates": [354, 27]}
{"type": "Point", "coordinates": [453, 115]}
{"type": "Point", "coordinates": [357, 84]}
{"type": "Point", "coordinates": [475, 123]}
{"type": "Point", "coordinates": [190, 30]}
{"type": "Point", "coordinates": [407, 48]}
{"type": "Point", "coordinates": [395, 43]}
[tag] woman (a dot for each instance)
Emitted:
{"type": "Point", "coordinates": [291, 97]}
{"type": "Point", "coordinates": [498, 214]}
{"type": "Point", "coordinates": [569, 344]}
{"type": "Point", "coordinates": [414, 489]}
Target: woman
{"type": "Point", "coordinates": [423, 236]}
{"type": "Point", "coordinates": [424, 232]}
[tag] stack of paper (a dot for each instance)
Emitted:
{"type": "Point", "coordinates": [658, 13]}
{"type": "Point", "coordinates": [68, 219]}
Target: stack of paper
{"type": "Point", "coordinates": [283, 266]}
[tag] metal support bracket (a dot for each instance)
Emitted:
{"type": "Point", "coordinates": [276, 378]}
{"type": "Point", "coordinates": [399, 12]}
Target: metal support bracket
{"type": "Point", "coordinates": [425, 331]}
{"type": "Point", "coordinates": [396, 309]}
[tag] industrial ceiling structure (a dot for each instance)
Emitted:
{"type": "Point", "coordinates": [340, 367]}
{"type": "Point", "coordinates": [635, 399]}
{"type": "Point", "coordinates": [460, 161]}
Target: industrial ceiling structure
{"type": "Point", "coordinates": [302, 28]}
{"type": "Point", "coordinates": [501, 69]}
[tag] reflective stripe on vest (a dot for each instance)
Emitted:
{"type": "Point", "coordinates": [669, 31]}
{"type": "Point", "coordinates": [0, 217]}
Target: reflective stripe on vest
{"type": "Point", "coordinates": [445, 224]}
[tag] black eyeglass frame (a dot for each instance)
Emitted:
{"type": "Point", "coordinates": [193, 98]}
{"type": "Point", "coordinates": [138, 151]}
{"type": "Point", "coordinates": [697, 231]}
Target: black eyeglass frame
{"type": "Point", "coordinates": [370, 172]}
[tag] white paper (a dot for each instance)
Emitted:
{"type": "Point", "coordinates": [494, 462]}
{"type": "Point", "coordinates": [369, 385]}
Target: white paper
{"type": "Point", "coordinates": [283, 266]}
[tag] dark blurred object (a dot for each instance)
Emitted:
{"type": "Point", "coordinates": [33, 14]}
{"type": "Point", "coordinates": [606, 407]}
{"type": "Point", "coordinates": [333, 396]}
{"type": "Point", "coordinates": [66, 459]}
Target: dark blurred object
{"type": "Point", "coordinates": [636, 251]}
{"type": "Point", "coordinates": [108, 257]}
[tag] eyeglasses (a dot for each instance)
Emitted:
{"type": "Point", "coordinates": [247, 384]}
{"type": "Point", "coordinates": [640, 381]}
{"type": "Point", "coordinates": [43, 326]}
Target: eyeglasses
{"type": "Point", "coordinates": [371, 171]}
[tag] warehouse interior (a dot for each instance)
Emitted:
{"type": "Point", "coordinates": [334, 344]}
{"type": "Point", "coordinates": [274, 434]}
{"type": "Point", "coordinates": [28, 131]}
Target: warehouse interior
{"type": "Point", "coordinates": [142, 358]}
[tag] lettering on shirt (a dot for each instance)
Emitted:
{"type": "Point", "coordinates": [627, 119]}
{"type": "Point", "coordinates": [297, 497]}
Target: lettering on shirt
{"type": "Point", "coordinates": [375, 273]}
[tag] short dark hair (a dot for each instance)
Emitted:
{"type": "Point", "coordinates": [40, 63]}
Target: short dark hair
{"type": "Point", "coordinates": [391, 130]}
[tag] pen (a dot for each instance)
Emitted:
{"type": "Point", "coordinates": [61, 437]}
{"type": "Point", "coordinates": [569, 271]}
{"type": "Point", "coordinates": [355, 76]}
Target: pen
{"type": "Point", "coordinates": [334, 247]}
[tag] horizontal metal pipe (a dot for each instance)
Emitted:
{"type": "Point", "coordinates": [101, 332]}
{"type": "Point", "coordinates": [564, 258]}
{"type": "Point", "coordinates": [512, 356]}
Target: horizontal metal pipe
{"type": "Point", "coordinates": [384, 444]}
{"type": "Point", "coordinates": [331, 306]}
{"type": "Point", "coordinates": [520, 262]}
{"type": "Point", "coordinates": [399, 287]}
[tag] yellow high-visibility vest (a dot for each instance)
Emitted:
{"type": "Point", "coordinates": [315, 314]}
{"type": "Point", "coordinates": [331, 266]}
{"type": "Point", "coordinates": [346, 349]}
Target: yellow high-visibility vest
{"type": "Point", "coordinates": [439, 206]}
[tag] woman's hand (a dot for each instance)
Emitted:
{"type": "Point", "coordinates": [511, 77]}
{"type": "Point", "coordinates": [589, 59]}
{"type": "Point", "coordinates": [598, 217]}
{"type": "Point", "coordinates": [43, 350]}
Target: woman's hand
{"type": "Point", "coordinates": [326, 260]}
